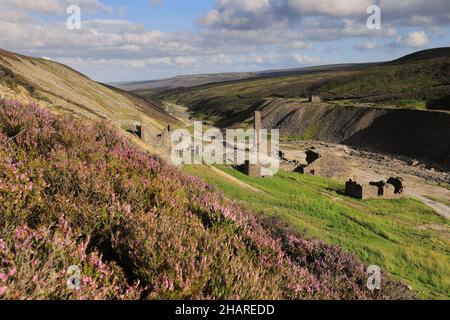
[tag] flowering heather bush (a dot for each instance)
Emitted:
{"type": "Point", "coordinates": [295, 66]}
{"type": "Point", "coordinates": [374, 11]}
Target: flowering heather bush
{"type": "Point", "coordinates": [34, 265]}
{"type": "Point", "coordinates": [78, 193]}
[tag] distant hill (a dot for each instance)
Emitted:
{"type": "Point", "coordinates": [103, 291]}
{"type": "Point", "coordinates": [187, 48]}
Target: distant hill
{"type": "Point", "coordinates": [423, 55]}
{"type": "Point", "coordinates": [189, 81]}
{"type": "Point", "coordinates": [182, 81]}
{"type": "Point", "coordinates": [60, 88]}
{"type": "Point", "coordinates": [417, 81]}
{"type": "Point", "coordinates": [418, 134]}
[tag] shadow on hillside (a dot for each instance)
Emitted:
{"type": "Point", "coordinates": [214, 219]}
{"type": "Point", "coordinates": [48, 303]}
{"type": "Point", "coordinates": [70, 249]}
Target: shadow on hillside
{"type": "Point", "coordinates": [420, 135]}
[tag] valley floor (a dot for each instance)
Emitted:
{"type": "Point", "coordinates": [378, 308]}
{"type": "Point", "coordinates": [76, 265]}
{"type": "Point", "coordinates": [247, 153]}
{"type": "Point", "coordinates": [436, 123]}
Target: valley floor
{"type": "Point", "coordinates": [424, 184]}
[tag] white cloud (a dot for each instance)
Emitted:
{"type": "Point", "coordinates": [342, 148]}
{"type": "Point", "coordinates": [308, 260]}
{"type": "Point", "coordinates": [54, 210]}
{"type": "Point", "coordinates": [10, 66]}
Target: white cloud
{"type": "Point", "coordinates": [414, 7]}
{"type": "Point", "coordinates": [258, 14]}
{"type": "Point", "coordinates": [48, 6]}
{"type": "Point", "coordinates": [415, 39]}
{"type": "Point", "coordinates": [306, 59]}
{"type": "Point", "coordinates": [334, 8]}
{"type": "Point", "coordinates": [221, 59]}
{"type": "Point", "coordinates": [255, 58]}
{"type": "Point", "coordinates": [238, 34]}
{"type": "Point", "coordinates": [55, 6]}
{"type": "Point", "coordinates": [369, 45]}
{"type": "Point", "coordinates": [301, 45]}
{"type": "Point", "coordinates": [242, 14]}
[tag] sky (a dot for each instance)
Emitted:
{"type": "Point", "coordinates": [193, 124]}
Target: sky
{"type": "Point", "coordinates": [139, 40]}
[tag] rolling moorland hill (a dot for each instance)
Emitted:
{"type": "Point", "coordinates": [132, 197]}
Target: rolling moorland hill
{"type": "Point", "coordinates": [420, 81]}
{"type": "Point", "coordinates": [181, 81]}
{"type": "Point", "coordinates": [63, 89]}
{"type": "Point", "coordinates": [188, 81]}
{"type": "Point", "coordinates": [422, 56]}
{"type": "Point", "coordinates": [397, 107]}
{"type": "Point", "coordinates": [76, 193]}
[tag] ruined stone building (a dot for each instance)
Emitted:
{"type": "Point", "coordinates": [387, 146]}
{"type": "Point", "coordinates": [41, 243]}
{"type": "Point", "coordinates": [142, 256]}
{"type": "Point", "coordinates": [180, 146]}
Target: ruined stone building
{"type": "Point", "coordinates": [390, 189]}
{"type": "Point", "coordinates": [147, 134]}
{"type": "Point", "coordinates": [315, 99]}
{"type": "Point", "coordinates": [133, 127]}
{"type": "Point", "coordinates": [311, 156]}
{"type": "Point", "coordinates": [328, 166]}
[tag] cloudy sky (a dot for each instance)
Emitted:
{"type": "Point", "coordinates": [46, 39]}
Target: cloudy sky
{"type": "Point", "coordinates": [150, 39]}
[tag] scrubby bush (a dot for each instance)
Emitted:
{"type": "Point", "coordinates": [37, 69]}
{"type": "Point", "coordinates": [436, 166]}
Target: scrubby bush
{"type": "Point", "coordinates": [76, 192]}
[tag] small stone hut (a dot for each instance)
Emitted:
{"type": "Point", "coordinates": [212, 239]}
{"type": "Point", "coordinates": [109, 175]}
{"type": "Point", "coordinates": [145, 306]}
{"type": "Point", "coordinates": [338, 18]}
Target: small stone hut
{"type": "Point", "coordinates": [391, 189]}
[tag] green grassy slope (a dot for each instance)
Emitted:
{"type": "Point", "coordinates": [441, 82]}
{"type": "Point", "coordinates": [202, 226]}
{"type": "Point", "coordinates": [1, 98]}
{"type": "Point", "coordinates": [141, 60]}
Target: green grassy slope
{"type": "Point", "coordinates": [391, 234]}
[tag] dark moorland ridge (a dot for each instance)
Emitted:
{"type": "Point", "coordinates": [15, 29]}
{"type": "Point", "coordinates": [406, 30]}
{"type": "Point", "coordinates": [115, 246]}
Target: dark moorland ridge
{"type": "Point", "coordinates": [422, 76]}
{"type": "Point", "coordinates": [75, 192]}
{"type": "Point", "coordinates": [189, 81]}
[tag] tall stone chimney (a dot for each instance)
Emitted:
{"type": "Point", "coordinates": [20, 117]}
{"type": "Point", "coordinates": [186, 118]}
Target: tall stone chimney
{"type": "Point", "coordinates": [257, 127]}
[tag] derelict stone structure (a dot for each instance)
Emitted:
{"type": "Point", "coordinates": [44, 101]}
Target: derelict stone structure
{"type": "Point", "coordinates": [328, 166]}
{"type": "Point", "coordinates": [134, 128]}
{"type": "Point", "coordinates": [315, 99]}
{"type": "Point", "coordinates": [311, 156]}
{"type": "Point", "coordinates": [142, 131]}
{"type": "Point", "coordinates": [360, 191]}
{"type": "Point", "coordinates": [398, 184]}
{"type": "Point", "coordinates": [252, 170]}
{"type": "Point", "coordinates": [257, 127]}
{"type": "Point", "coordinates": [391, 189]}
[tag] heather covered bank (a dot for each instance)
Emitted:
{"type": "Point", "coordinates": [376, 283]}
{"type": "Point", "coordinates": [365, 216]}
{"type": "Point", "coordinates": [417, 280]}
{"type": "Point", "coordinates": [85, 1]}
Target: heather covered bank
{"type": "Point", "coordinates": [76, 192]}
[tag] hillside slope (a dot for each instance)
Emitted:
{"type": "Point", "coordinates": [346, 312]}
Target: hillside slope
{"type": "Point", "coordinates": [60, 88]}
{"type": "Point", "coordinates": [189, 81]}
{"type": "Point", "coordinates": [423, 55]}
{"type": "Point", "coordinates": [388, 233]}
{"type": "Point", "coordinates": [415, 81]}
{"type": "Point", "coordinates": [75, 193]}
{"type": "Point", "coordinates": [182, 81]}
{"type": "Point", "coordinates": [415, 133]}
